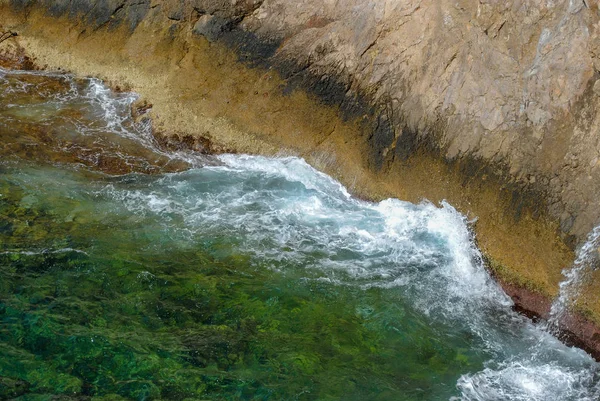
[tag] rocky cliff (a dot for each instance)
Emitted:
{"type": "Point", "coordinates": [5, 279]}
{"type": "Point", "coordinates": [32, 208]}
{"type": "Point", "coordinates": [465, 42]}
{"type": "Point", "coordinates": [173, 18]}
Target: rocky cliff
{"type": "Point", "coordinates": [511, 83]}
{"type": "Point", "coordinates": [491, 105]}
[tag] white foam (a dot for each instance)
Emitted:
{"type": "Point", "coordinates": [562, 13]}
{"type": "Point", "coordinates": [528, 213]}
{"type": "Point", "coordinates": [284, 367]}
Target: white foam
{"type": "Point", "coordinates": [391, 243]}
{"type": "Point", "coordinates": [114, 107]}
{"type": "Point", "coordinates": [293, 169]}
{"type": "Point", "coordinates": [570, 287]}
{"type": "Point", "coordinates": [523, 381]}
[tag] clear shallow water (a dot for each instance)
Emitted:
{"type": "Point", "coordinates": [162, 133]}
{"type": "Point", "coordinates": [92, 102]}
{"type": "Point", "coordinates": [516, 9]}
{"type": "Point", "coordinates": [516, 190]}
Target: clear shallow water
{"type": "Point", "coordinates": [131, 272]}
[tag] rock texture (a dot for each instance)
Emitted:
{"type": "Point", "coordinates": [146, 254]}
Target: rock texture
{"type": "Point", "coordinates": [491, 105]}
{"type": "Point", "coordinates": [513, 82]}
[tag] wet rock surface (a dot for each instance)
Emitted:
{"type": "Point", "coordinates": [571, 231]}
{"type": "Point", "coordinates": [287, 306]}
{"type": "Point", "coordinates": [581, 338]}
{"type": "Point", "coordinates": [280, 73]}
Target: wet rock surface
{"type": "Point", "coordinates": [42, 115]}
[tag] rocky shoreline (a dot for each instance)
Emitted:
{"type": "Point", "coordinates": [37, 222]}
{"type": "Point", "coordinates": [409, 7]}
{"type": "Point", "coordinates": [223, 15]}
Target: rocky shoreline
{"type": "Point", "coordinates": [224, 77]}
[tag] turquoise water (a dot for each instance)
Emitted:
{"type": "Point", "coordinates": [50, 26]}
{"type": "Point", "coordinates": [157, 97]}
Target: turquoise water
{"type": "Point", "coordinates": [129, 272]}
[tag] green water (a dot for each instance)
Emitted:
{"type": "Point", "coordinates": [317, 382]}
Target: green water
{"type": "Point", "coordinates": [142, 315]}
{"type": "Point", "coordinates": [152, 277]}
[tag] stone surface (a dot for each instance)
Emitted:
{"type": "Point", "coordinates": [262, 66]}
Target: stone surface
{"type": "Point", "coordinates": [509, 79]}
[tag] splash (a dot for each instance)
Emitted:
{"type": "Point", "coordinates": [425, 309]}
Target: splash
{"type": "Point", "coordinates": [570, 287]}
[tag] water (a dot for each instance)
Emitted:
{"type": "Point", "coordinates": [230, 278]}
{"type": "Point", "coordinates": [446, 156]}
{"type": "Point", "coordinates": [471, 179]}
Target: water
{"type": "Point", "coordinates": [129, 272]}
{"type": "Point", "coordinates": [570, 287]}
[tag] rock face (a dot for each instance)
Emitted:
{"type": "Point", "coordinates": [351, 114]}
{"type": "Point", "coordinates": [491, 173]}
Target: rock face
{"type": "Point", "coordinates": [491, 105]}
{"type": "Point", "coordinates": [511, 82]}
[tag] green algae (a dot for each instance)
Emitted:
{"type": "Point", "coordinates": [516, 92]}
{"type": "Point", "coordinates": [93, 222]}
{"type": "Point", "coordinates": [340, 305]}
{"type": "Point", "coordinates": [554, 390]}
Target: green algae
{"type": "Point", "coordinates": [102, 301]}
{"type": "Point", "coordinates": [97, 302]}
